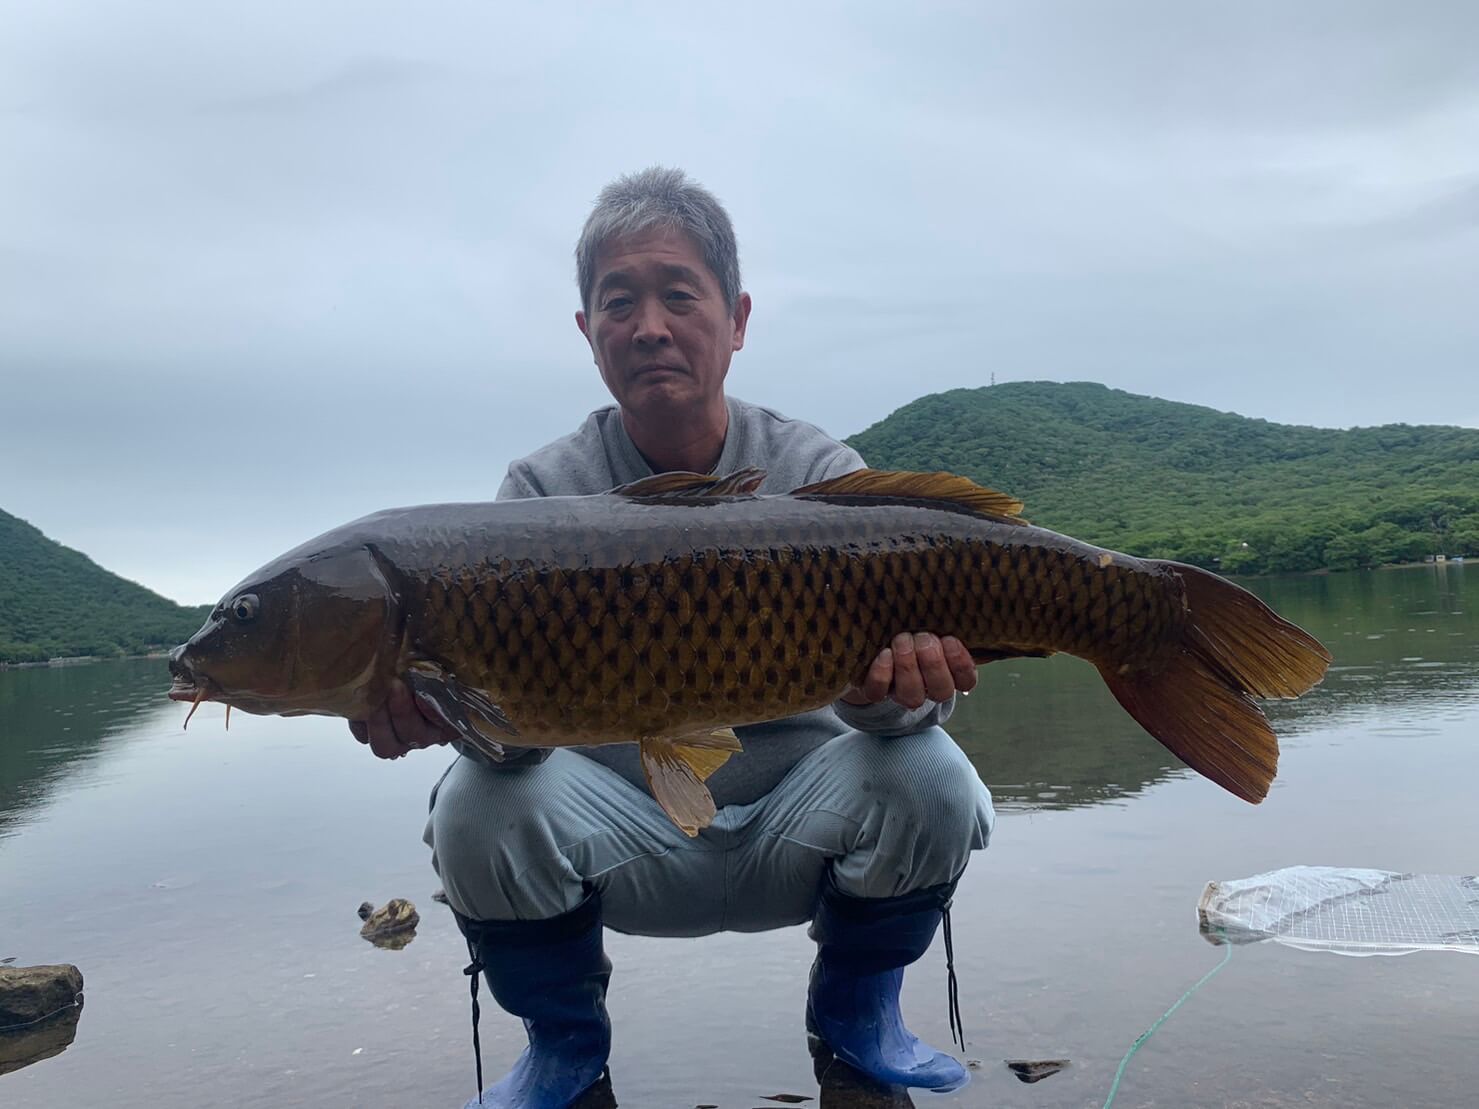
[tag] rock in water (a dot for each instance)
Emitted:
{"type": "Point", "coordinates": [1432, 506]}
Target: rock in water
{"type": "Point", "coordinates": [29, 994]}
{"type": "Point", "coordinates": [392, 926]}
{"type": "Point", "coordinates": [39, 1009]}
{"type": "Point", "coordinates": [1035, 1070]}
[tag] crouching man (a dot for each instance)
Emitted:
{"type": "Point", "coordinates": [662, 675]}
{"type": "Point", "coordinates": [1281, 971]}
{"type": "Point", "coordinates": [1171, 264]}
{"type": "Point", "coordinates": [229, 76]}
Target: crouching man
{"type": "Point", "coordinates": [859, 818]}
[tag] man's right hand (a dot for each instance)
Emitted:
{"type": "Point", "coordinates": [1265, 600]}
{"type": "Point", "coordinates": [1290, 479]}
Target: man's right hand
{"type": "Point", "coordinates": [400, 726]}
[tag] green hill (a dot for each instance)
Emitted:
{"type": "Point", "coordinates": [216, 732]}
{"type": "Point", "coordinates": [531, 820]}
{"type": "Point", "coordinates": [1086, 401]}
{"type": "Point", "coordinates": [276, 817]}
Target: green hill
{"type": "Point", "coordinates": [1166, 480]}
{"type": "Point", "coordinates": [57, 601]}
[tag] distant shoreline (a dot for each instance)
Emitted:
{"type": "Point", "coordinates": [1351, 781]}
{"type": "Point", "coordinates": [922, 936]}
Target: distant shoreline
{"type": "Point", "coordinates": [1456, 560]}
{"type": "Point", "coordinates": [62, 661]}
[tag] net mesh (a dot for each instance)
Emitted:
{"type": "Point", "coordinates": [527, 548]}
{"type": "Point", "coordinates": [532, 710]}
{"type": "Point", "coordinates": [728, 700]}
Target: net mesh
{"type": "Point", "coordinates": [1348, 911]}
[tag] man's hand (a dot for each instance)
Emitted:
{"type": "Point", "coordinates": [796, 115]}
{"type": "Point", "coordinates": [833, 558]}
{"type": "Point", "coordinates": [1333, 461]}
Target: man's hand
{"type": "Point", "coordinates": [916, 667]}
{"type": "Point", "coordinates": [400, 726]}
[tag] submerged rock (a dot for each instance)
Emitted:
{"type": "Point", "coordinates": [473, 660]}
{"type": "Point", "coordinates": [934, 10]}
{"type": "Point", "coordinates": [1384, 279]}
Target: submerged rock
{"type": "Point", "coordinates": [39, 1010]}
{"type": "Point", "coordinates": [843, 1087]}
{"type": "Point", "coordinates": [1035, 1070]}
{"type": "Point", "coordinates": [392, 926]}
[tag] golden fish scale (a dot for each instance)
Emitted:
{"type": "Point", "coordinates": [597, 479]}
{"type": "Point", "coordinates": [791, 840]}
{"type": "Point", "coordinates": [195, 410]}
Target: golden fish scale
{"type": "Point", "coordinates": [736, 634]}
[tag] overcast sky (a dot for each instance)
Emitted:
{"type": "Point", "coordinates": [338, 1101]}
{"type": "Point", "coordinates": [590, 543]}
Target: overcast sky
{"type": "Point", "coordinates": [265, 267]}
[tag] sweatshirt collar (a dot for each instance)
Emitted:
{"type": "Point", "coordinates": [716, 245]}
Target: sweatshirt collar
{"type": "Point", "coordinates": [630, 464]}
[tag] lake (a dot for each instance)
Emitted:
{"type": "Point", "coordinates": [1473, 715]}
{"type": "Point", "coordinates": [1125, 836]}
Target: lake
{"type": "Point", "coordinates": [206, 884]}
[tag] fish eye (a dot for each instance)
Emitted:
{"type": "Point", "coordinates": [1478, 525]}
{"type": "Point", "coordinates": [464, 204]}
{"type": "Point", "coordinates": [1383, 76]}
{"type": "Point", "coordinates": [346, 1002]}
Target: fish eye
{"type": "Point", "coordinates": [244, 608]}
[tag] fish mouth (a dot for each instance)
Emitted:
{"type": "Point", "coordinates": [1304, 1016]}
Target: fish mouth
{"type": "Point", "coordinates": [190, 689]}
{"type": "Point", "coordinates": [187, 685]}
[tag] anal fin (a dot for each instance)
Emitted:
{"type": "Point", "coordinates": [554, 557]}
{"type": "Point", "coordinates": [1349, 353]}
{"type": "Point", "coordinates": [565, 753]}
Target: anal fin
{"type": "Point", "coordinates": [676, 769]}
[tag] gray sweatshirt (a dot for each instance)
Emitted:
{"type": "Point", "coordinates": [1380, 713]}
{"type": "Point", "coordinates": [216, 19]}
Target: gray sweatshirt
{"type": "Point", "coordinates": [600, 455]}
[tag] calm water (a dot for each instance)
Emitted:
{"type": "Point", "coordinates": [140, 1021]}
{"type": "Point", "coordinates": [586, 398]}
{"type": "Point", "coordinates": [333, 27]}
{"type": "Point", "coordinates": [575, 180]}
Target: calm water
{"type": "Point", "coordinates": [206, 884]}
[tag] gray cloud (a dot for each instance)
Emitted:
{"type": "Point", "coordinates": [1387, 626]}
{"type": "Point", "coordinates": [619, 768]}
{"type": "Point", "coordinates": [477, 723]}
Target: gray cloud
{"type": "Point", "coordinates": [265, 268]}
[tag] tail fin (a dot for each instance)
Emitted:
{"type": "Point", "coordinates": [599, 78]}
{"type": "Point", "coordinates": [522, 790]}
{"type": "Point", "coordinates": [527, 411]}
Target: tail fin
{"type": "Point", "coordinates": [1200, 705]}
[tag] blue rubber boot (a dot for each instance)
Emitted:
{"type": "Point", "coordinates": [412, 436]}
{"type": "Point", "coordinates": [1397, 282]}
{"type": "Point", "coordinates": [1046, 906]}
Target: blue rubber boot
{"type": "Point", "coordinates": [863, 945]}
{"type": "Point", "coordinates": [553, 974]}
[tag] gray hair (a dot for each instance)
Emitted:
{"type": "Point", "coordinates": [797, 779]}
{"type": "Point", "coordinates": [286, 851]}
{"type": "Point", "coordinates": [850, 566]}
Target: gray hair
{"type": "Point", "coordinates": [665, 198]}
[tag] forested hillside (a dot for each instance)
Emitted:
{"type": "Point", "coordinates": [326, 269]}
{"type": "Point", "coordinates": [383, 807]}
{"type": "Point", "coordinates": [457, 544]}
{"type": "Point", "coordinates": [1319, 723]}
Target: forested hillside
{"type": "Point", "coordinates": [57, 601]}
{"type": "Point", "coordinates": [1167, 480]}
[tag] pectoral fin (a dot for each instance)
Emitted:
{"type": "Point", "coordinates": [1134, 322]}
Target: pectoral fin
{"type": "Point", "coordinates": [471, 712]}
{"type": "Point", "coordinates": [676, 769]}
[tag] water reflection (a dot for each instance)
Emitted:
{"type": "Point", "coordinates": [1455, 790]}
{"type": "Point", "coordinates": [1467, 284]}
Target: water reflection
{"type": "Point", "coordinates": [53, 721]}
{"type": "Point", "coordinates": [1399, 637]}
{"type": "Point", "coordinates": [45, 1040]}
{"type": "Point", "coordinates": [1047, 734]}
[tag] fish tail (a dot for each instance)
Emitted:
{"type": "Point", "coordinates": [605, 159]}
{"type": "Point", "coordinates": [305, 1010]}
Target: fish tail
{"type": "Point", "coordinates": [1197, 699]}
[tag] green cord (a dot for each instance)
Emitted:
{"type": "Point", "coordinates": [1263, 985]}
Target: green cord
{"type": "Point", "coordinates": [1149, 1032]}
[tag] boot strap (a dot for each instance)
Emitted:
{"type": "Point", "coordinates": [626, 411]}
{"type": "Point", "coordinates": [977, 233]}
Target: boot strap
{"type": "Point", "coordinates": [517, 933]}
{"type": "Point", "coordinates": [952, 987]}
{"type": "Point", "coordinates": [474, 971]}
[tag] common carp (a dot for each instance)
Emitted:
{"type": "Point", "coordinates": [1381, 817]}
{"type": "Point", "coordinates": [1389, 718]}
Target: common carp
{"type": "Point", "coordinates": [671, 609]}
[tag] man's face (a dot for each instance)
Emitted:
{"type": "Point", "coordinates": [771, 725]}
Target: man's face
{"type": "Point", "coordinates": [658, 327]}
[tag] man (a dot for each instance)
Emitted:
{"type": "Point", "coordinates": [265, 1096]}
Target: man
{"type": "Point", "coordinates": [858, 818]}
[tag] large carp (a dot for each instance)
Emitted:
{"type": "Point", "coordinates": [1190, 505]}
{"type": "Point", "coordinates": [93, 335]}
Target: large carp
{"type": "Point", "coordinates": [671, 609]}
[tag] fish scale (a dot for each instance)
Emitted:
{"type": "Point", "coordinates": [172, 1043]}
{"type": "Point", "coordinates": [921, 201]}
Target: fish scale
{"type": "Point", "coordinates": [713, 635]}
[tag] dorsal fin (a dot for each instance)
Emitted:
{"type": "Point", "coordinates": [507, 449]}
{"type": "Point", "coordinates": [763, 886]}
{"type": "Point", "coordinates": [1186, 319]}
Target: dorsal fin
{"type": "Point", "coordinates": [904, 485]}
{"type": "Point", "coordinates": [683, 483]}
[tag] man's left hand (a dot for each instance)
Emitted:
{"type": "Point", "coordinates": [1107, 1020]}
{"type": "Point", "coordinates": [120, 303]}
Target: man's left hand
{"type": "Point", "coordinates": [914, 668]}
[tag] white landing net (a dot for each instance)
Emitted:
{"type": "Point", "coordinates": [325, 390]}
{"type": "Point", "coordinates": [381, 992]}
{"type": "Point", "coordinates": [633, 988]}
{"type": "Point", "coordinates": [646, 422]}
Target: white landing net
{"type": "Point", "coordinates": [1348, 911]}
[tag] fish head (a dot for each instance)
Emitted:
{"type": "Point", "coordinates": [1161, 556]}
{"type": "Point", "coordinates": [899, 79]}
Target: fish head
{"type": "Point", "coordinates": [310, 633]}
